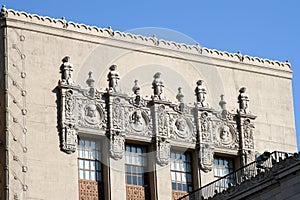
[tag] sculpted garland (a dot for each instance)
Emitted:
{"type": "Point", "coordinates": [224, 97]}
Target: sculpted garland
{"type": "Point", "coordinates": [111, 113]}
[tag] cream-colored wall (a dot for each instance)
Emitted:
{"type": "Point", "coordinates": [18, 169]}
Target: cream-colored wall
{"type": "Point", "coordinates": [38, 50]}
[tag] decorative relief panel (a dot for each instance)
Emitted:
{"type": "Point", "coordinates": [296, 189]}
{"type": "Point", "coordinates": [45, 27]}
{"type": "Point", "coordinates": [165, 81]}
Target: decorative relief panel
{"type": "Point", "coordinates": [91, 114]}
{"type": "Point", "coordinates": [181, 128]}
{"type": "Point", "coordinates": [138, 121]}
{"type": "Point", "coordinates": [162, 121]}
{"type": "Point", "coordinates": [162, 151]}
{"type": "Point", "coordinates": [118, 116]}
{"type": "Point", "coordinates": [117, 143]}
{"type": "Point", "coordinates": [226, 136]}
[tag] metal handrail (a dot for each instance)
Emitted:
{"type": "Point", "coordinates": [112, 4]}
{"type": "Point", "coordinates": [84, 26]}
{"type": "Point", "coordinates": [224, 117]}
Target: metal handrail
{"type": "Point", "coordinates": [261, 164]}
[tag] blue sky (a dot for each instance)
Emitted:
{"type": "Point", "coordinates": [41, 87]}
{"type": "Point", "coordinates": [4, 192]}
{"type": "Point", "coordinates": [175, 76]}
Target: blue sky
{"type": "Point", "coordinates": [266, 29]}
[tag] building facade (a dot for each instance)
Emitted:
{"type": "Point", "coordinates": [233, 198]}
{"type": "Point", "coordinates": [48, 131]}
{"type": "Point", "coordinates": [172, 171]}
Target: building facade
{"type": "Point", "coordinates": [132, 117]}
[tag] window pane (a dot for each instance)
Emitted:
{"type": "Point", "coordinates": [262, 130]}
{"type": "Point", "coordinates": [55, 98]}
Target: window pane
{"type": "Point", "coordinates": [87, 175]}
{"type": "Point", "coordinates": [223, 166]}
{"type": "Point", "coordinates": [134, 180]}
{"type": "Point", "coordinates": [173, 176]}
{"type": "Point", "coordinates": [89, 153]}
{"type": "Point", "coordinates": [81, 164]}
{"type": "Point", "coordinates": [181, 171]}
{"type": "Point", "coordinates": [135, 164]}
{"type": "Point", "coordinates": [81, 174]}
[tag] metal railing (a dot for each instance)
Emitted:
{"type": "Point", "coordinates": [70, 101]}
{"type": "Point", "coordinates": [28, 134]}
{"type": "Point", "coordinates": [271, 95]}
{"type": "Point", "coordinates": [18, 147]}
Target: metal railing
{"type": "Point", "coordinates": [262, 163]}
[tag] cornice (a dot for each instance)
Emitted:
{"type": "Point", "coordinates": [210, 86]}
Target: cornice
{"type": "Point", "coordinates": [152, 41]}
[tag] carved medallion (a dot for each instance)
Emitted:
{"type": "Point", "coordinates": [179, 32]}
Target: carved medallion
{"type": "Point", "coordinates": [138, 121]}
{"type": "Point", "coordinates": [182, 129]}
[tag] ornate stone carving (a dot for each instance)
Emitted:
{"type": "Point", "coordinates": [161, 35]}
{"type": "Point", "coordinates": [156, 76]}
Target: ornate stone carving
{"type": "Point", "coordinates": [162, 121]}
{"type": "Point", "coordinates": [69, 134]}
{"type": "Point", "coordinates": [138, 122]}
{"type": "Point", "coordinates": [91, 114]}
{"type": "Point", "coordinates": [113, 78]}
{"type": "Point", "coordinates": [179, 97]}
{"type": "Point", "coordinates": [162, 151]}
{"type": "Point", "coordinates": [68, 129]}
{"type": "Point", "coordinates": [243, 100]}
{"type": "Point", "coordinates": [200, 92]}
{"type": "Point", "coordinates": [67, 69]}
{"type": "Point", "coordinates": [205, 128]}
{"type": "Point", "coordinates": [248, 130]}
{"type": "Point", "coordinates": [181, 128]}
{"type": "Point", "coordinates": [206, 157]}
{"type": "Point", "coordinates": [226, 136]}
{"type": "Point", "coordinates": [137, 99]}
{"type": "Point", "coordinates": [117, 114]}
{"type": "Point", "coordinates": [158, 86]}
{"type": "Point", "coordinates": [117, 141]}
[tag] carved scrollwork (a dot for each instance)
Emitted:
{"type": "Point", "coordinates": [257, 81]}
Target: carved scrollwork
{"type": "Point", "coordinates": [117, 141]}
{"type": "Point", "coordinates": [162, 151]}
{"type": "Point", "coordinates": [69, 138]}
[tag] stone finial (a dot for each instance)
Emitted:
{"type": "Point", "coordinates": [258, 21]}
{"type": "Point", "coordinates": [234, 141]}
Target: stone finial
{"type": "Point", "coordinates": [113, 78]}
{"type": "Point", "coordinates": [180, 96]}
{"type": "Point", "coordinates": [200, 92]}
{"type": "Point", "coordinates": [157, 86]}
{"type": "Point", "coordinates": [243, 100]}
{"type": "Point", "coordinates": [223, 103]}
{"type": "Point", "coordinates": [3, 11]}
{"type": "Point", "coordinates": [67, 69]}
{"type": "Point", "coordinates": [90, 81]}
{"type": "Point", "coordinates": [136, 88]}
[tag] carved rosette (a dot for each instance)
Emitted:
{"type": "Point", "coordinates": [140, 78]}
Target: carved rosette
{"type": "Point", "coordinates": [117, 143]}
{"type": "Point", "coordinates": [206, 157]}
{"type": "Point", "coordinates": [162, 151]}
{"type": "Point", "coordinates": [68, 128]}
